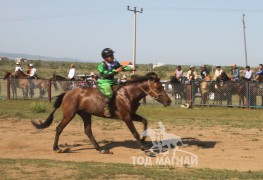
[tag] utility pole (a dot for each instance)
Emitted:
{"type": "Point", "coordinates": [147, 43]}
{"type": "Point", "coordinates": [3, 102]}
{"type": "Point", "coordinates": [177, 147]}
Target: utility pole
{"type": "Point", "coordinates": [245, 41]}
{"type": "Point", "coordinates": [134, 33]}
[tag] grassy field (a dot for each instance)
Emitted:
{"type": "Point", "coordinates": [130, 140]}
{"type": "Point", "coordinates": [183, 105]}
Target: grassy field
{"type": "Point", "coordinates": [197, 117]}
{"type": "Point", "coordinates": [48, 169]}
{"type": "Point", "coordinates": [203, 117]}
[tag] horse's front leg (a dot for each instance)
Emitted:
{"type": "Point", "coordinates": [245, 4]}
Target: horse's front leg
{"type": "Point", "coordinates": [134, 132]}
{"type": "Point", "coordinates": [136, 117]}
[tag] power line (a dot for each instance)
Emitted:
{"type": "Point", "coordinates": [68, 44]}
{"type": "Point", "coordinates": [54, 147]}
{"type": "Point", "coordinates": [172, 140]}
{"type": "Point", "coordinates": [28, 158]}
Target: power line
{"type": "Point", "coordinates": [204, 9]}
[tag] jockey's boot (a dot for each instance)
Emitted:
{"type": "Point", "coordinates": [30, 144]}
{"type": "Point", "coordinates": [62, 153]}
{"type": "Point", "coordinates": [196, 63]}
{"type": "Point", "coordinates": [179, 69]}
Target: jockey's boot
{"type": "Point", "coordinates": [107, 108]}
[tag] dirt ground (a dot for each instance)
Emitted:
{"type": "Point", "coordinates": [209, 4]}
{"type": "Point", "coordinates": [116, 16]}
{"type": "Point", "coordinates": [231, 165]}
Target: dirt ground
{"type": "Point", "coordinates": [215, 147]}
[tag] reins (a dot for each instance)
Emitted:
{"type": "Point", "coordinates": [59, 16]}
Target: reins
{"type": "Point", "coordinates": [152, 91]}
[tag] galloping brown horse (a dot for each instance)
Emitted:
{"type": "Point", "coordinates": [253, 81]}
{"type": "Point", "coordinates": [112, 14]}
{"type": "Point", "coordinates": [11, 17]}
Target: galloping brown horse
{"type": "Point", "coordinates": [90, 101]}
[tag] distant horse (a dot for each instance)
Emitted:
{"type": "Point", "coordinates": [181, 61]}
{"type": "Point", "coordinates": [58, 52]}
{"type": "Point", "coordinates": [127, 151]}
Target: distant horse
{"type": "Point", "coordinates": [90, 101]}
{"type": "Point", "coordinates": [256, 89]}
{"type": "Point", "coordinates": [64, 82]}
{"type": "Point", "coordinates": [38, 82]}
{"type": "Point", "coordinates": [178, 88]}
{"type": "Point", "coordinates": [205, 89]}
{"type": "Point", "coordinates": [232, 87]}
{"type": "Point", "coordinates": [17, 83]}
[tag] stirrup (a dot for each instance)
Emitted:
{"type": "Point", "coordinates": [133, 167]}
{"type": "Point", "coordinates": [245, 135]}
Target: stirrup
{"type": "Point", "coordinates": [107, 112]}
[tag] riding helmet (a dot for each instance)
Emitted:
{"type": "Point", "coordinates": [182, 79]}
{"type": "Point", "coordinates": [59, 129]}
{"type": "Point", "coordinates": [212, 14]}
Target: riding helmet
{"type": "Point", "coordinates": [107, 52]}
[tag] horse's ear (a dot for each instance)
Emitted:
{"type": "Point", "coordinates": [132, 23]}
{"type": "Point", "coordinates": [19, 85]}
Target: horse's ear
{"type": "Point", "coordinates": [152, 75]}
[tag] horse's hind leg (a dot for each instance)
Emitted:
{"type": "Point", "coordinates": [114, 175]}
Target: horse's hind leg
{"type": "Point", "coordinates": [141, 119]}
{"type": "Point", "coordinates": [87, 128]}
{"type": "Point", "coordinates": [67, 117]}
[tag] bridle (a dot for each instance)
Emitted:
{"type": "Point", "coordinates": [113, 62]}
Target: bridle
{"type": "Point", "coordinates": [156, 97]}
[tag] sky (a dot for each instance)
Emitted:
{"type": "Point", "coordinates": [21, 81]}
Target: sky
{"type": "Point", "coordinates": [179, 32]}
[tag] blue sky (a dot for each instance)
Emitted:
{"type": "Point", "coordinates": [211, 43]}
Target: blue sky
{"type": "Point", "coordinates": [168, 31]}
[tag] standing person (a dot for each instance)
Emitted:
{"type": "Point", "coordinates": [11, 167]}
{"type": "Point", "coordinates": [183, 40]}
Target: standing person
{"type": "Point", "coordinates": [72, 72]}
{"type": "Point", "coordinates": [249, 74]}
{"type": "Point", "coordinates": [259, 73]}
{"type": "Point", "coordinates": [204, 72]}
{"type": "Point", "coordinates": [179, 73]}
{"type": "Point", "coordinates": [18, 67]}
{"type": "Point", "coordinates": [92, 80]}
{"type": "Point", "coordinates": [218, 71]}
{"type": "Point", "coordinates": [234, 73]}
{"type": "Point", "coordinates": [107, 69]}
{"type": "Point", "coordinates": [191, 74]}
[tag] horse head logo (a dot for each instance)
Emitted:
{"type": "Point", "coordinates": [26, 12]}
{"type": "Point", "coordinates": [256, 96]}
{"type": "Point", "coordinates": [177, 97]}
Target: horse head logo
{"type": "Point", "coordinates": [161, 139]}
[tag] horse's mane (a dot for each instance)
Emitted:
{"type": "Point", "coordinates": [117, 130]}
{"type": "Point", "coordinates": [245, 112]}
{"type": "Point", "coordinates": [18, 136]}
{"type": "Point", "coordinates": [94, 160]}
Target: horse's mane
{"type": "Point", "coordinates": [59, 76]}
{"type": "Point", "coordinates": [140, 78]}
{"type": "Point", "coordinates": [21, 72]}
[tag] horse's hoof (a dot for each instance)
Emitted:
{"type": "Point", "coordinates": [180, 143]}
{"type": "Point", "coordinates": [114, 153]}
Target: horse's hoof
{"type": "Point", "coordinates": [66, 150]}
{"type": "Point", "coordinates": [150, 153]}
{"type": "Point", "coordinates": [103, 151]}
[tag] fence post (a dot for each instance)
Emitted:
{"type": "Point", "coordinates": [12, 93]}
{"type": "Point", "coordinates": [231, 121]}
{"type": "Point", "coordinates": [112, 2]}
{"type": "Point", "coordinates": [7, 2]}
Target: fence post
{"type": "Point", "coordinates": [49, 90]}
{"type": "Point", "coordinates": [191, 94]}
{"type": "Point", "coordinates": [8, 88]}
{"type": "Point", "coordinates": [247, 95]}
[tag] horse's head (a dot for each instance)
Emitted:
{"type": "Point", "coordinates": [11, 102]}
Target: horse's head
{"type": "Point", "coordinates": [156, 90]}
{"type": "Point", "coordinates": [7, 75]}
{"type": "Point", "coordinates": [173, 79]}
{"type": "Point", "coordinates": [223, 77]}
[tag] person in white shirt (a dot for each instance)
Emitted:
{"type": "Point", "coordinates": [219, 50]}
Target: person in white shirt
{"type": "Point", "coordinates": [72, 72]}
{"type": "Point", "coordinates": [32, 71]}
{"type": "Point", "coordinates": [179, 73]}
{"type": "Point", "coordinates": [249, 74]}
{"type": "Point", "coordinates": [218, 72]}
{"type": "Point", "coordinates": [18, 67]}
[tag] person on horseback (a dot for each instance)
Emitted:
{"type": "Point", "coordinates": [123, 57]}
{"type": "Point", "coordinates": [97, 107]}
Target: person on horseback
{"type": "Point", "coordinates": [31, 72]}
{"type": "Point", "coordinates": [18, 67]}
{"type": "Point", "coordinates": [191, 74]}
{"type": "Point", "coordinates": [72, 72]}
{"type": "Point", "coordinates": [259, 73]}
{"type": "Point", "coordinates": [107, 69]}
{"type": "Point", "coordinates": [178, 74]}
{"type": "Point", "coordinates": [249, 74]}
{"type": "Point", "coordinates": [204, 72]}
{"type": "Point", "coordinates": [234, 73]}
{"type": "Point", "coordinates": [218, 72]}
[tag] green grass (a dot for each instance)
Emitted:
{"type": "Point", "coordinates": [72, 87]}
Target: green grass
{"type": "Point", "coordinates": [198, 117]}
{"type": "Point", "coordinates": [50, 169]}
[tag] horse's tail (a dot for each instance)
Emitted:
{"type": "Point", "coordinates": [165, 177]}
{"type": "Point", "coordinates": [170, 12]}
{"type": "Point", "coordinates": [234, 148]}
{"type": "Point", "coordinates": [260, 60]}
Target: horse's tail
{"type": "Point", "coordinates": [50, 118]}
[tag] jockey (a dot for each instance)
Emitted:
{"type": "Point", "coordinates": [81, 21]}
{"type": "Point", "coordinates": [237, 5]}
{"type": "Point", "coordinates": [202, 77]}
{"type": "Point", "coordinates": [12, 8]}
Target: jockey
{"type": "Point", "coordinates": [107, 69]}
{"type": "Point", "coordinates": [18, 67]}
